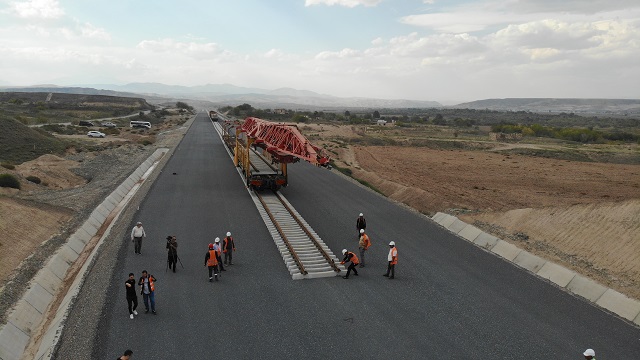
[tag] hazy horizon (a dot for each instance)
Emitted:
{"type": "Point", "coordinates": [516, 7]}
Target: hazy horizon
{"type": "Point", "coordinates": [450, 52]}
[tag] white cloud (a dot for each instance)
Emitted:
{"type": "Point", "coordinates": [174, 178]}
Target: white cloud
{"type": "Point", "coordinates": [91, 32]}
{"type": "Point", "coordinates": [346, 3]}
{"type": "Point", "coordinates": [344, 53]}
{"type": "Point", "coordinates": [37, 9]}
{"type": "Point", "coordinates": [191, 49]}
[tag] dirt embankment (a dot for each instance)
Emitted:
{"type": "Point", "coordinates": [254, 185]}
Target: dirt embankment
{"type": "Point", "coordinates": [583, 215]}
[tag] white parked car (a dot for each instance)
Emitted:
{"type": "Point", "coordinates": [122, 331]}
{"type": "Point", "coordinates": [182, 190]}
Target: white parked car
{"type": "Point", "coordinates": [109, 124]}
{"type": "Point", "coordinates": [96, 134]}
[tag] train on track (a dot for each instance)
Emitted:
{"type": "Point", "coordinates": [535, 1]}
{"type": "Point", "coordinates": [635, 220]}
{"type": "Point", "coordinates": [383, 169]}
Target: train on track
{"type": "Point", "coordinates": [263, 149]}
{"type": "Point", "coordinates": [213, 115]}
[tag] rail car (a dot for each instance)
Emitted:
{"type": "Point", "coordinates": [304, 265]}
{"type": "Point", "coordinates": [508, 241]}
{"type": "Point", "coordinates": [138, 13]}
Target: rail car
{"type": "Point", "coordinates": [213, 115]}
{"type": "Point", "coordinates": [263, 149]}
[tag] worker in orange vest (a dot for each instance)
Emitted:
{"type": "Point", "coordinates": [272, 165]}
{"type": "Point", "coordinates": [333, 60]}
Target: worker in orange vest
{"type": "Point", "coordinates": [393, 260]}
{"type": "Point", "coordinates": [218, 248]}
{"type": "Point", "coordinates": [228, 246]}
{"type": "Point", "coordinates": [147, 289]}
{"type": "Point", "coordinates": [211, 261]}
{"type": "Point", "coordinates": [353, 259]}
{"type": "Point", "coordinates": [363, 245]}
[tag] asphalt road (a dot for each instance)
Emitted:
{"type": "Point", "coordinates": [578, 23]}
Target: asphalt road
{"type": "Point", "coordinates": [450, 299]}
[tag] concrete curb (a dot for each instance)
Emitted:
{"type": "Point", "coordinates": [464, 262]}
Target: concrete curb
{"type": "Point", "coordinates": [27, 317]}
{"type": "Point", "coordinates": [606, 298]}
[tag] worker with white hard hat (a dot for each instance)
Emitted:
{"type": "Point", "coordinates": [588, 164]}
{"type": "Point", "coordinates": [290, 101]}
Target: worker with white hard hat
{"type": "Point", "coordinates": [392, 258]}
{"type": "Point", "coordinates": [218, 248]}
{"type": "Point", "coordinates": [363, 246]}
{"type": "Point", "coordinates": [361, 223]}
{"type": "Point", "coordinates": [352, 259]}
{"type": "Point", "coordinates": [228, 247]}
{"type": "Point", "coordinates": [589, 354]}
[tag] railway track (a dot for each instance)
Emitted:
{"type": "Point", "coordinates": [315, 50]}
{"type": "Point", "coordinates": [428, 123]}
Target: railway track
{"type": "Point", "coordinates": [304, 253]}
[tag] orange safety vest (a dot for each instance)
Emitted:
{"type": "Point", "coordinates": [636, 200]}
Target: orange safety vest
{"type": "Point", "coordinates": [353, 258]}
{"type": "Point", "coordinates": [226, 240]}
{"type": "Point", "coordinates": [394, 255]}
{"type": "Point", "coordinates": [366, 242]}
{"type": "Point", "coordinates": [213, 260]}
{"type": "Point", "coordinates": [152, 287]}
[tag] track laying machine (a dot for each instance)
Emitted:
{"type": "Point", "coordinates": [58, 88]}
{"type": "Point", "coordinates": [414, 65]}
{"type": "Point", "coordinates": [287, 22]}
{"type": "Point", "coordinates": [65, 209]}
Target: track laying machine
{"type": "Point", "coordinates": [263, 149]}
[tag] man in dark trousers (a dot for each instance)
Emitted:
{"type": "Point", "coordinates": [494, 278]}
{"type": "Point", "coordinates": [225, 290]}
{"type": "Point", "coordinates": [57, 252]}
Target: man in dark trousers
{"type": "Point", "coordinates": [218, 248]}
{"type": "Point", "coordinates": [211, 261]}
{"type": "Point", "coordinates": [228, 247]}
{"type": "Point", "coordinates": [132, 296]}
{"type": "Point", "coordinates": [172, 252]}
{"type": "Point", "coordinates": [361, 223]}
{"type": "Point", "coordinates": [392, 259]}
{"type": "Point", "coordinates": [353, 259]}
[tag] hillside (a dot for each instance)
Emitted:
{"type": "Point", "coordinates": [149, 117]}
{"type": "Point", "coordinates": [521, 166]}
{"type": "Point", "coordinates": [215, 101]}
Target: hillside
{"type": "Point", "coordinates": [20, 143]}
{"type": "Point", "coordinates": [578, 106]}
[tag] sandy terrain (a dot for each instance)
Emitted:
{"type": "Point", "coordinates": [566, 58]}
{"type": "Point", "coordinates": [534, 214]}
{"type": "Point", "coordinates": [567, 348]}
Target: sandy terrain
{"type": "Point", "coordinates": [53, 170]}
{"type": "Point", "coordinates": [22, 233]}
{"type": "Point", "coordinates": [583, 215]}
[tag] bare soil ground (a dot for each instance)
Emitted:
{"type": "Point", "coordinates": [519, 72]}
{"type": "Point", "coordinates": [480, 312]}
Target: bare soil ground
{"type": "Point", "coordinates": [583, 215]}
{"type": "Point", "coordinates": [38, 218]}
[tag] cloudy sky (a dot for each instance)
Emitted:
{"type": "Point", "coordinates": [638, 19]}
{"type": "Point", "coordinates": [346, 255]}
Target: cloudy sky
{"type": "Point", "coordinates": [443, 50]}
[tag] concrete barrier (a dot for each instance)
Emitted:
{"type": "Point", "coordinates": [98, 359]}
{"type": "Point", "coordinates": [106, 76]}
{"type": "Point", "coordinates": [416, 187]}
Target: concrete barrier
{"type": "Point", "coordinates": [529, 261]}
{"type": "Point", "coordinates": [556, 274]}
{"type": "Point", "coordinates": [598, 294]}
{"type": "Point", "coordinates": [26, 317]}
{"type": "Point", "coordinates": [506, 250]}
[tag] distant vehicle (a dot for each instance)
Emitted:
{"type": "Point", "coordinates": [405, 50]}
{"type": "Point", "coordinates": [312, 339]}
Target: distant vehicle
{"type": "Point", "coordinates": [382, 122]}
{"type": "Point", "coordinates": [109, 124]}
{"type": "Point", "coordinates": [140, 124]}
{"type": "Point", "coordinates": [213, 115]}
{"type": "Point", "coordinates": [96, 134]}
{"type": "Point", "coordinates": [86, 123]}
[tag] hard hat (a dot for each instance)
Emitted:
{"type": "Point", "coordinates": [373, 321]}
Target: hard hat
{"type": "Point", "coordinates": [361, 214]}
{"type": "Point", "coordinates": [589, 352]}
{"type": "Point", "coordinates": [361, 231]}
{"type": "Point", "coordinates": [210, 246]}
{"type": "Point", "coordinates": [217, 240]}
{"type": "Point", "coordinates": [344, 251]}
{"type": "Point", "coordinates": [228, 233]}
{"type": "Point", "coordinates": [393, 243]}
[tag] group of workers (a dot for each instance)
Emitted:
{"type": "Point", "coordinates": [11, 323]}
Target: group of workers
{"type": "Point", "coordinates": [364, 242]}
{"type": "Point", "coordinates": [213, 257]}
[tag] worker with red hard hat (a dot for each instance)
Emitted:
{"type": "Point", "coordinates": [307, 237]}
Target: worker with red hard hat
{"type": "Point", "coordinates": [211, 261]}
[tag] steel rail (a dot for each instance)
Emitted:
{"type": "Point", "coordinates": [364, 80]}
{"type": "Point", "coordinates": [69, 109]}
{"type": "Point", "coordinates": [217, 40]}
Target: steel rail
{"type": "Point", "coordinates": [295, 257]}
{"type": "Point", "coordinates": [306, 230]}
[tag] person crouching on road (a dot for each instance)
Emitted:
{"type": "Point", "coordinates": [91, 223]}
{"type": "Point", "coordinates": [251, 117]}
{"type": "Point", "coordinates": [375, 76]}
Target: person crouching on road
{"type": "Point", "coordinates": [353, 259]}
{"type": "Point", "coordinates": [137, 233]}
{"type": "Point", "coordinates": [228, 247]}
{"type": "Point", "coordinates": [218, 248]}
{"type": "Point", "coordinates": [392, 258]}
{"type": "Point", "coordinates": [211, 261]}
{"type": "Point", "coordinates": [363, 245]}
{"type": "Point", "coordinates": [172, 252]}
{"type": "Point", "coordinates": [148, 289]}
{"type": "Point", "coordinates": [132, 296]}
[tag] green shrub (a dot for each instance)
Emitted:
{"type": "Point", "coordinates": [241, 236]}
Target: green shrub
{"type": "Point", "coordinates": [34, 179]}
{"type": "Point", "coordinates": [9, 166]}
{"type": "Point", "coordinates": [8, 180]}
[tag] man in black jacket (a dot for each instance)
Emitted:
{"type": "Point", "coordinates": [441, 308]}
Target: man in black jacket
{"type": "Point", "coordinates": [172, 252]}
{"type": "Point", "coordinates": [132, 296]}
{"type": "Point", "coordinates": [361, 223]}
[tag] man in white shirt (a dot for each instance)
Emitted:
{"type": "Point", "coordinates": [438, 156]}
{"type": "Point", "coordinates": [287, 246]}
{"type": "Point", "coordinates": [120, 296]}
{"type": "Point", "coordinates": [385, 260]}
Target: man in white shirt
{"type": "Point", "coordinates": [137, 233]}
